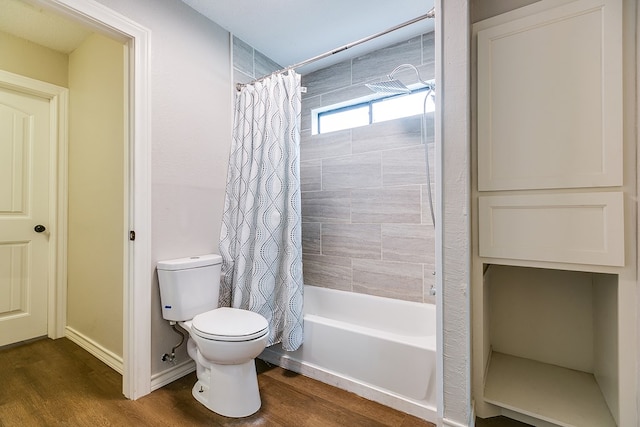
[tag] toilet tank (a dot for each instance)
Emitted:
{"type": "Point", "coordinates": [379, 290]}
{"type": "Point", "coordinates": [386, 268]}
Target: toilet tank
{"type": "Point", "coordinates": [189, 286]}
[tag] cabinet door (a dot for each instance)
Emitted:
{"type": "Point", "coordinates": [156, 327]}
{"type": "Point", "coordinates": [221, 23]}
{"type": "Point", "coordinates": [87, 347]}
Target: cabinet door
{"type": "Point", "coordinates": [550, 99]}
{"type": "Point", "coordinates": [581, 228]}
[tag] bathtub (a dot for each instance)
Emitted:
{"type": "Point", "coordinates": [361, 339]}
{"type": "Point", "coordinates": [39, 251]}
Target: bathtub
{"type": "Point", "coordinates": [379, 348]}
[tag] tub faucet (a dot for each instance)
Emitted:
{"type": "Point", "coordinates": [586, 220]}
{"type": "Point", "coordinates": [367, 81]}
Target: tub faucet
{"type": "Point", "coordinates": [432, 290]}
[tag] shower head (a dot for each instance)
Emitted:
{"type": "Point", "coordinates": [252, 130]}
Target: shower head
{"type": "Point", "coordinates": [395, 86]}
{"type": "Point", "coordinates": [391, 86]}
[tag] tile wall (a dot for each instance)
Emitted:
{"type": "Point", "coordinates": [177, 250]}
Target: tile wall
{"type": "Point", "coordinates": [249, 64]}
{"type": "Point", "coordinates": [366, 222]}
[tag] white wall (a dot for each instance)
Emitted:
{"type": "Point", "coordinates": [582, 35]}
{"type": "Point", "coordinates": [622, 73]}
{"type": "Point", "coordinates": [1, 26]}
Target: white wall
{"type": "Point", "coordinates": [191, 108]}
{"type": "Point", "coordinates": [453, 263]}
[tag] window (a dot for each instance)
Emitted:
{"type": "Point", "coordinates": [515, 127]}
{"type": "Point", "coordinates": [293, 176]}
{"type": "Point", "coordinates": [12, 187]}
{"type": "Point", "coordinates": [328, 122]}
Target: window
{"type": "Point", "coordinates": [373, 111]}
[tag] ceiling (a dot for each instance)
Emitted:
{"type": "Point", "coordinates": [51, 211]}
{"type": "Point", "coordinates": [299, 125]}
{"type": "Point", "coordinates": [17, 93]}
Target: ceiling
{"type": "Point", "coordinates": [286, 31]}
{"type": "Point", "coordinates": [40, 26]}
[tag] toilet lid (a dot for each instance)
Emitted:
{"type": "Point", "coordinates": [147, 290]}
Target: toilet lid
{"type": "Point", "coordinates": [230, 324]}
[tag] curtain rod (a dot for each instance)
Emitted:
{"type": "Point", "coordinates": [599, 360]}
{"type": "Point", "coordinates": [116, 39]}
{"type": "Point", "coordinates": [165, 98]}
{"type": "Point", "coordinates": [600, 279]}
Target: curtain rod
{"type": "Point", "coordinates": [428, 15]}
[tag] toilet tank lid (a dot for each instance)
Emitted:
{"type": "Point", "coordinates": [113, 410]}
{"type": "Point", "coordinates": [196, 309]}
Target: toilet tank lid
{"type": "Point", "coordinates": [190, 262]}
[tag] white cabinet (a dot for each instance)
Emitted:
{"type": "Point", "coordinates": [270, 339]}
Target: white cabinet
{"type": "Point", "coordinates": [550, 99]}
{"type": "Point", "coordinates": [552, 349]}
{"type": "Point", "coordinates": [553, 204]}
{"type": "Point", "coordinates": [580, 228]}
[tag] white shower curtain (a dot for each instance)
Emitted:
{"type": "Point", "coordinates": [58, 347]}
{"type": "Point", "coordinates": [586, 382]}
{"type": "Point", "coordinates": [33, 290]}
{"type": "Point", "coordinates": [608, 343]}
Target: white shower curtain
{"type": "Point", "coordinates": [261, 238]}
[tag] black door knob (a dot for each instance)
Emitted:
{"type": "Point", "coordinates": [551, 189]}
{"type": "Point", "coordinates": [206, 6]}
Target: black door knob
{"type": "Point", "coordinates": [39, 228]}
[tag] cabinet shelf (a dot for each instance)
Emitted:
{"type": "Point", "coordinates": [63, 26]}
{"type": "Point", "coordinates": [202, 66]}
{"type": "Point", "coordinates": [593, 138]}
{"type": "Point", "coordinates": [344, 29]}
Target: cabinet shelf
{"type": "Point", "coordinates": [547, 392]}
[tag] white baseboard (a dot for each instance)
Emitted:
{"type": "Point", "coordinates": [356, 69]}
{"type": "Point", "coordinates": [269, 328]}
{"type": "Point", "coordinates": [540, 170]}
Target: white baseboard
{"type": "Point", "coordinates": [111, 359]}
{"type": "Point", "coordinates": [449, 423]}
{"type": "Point", "coordinates": [169, 375]}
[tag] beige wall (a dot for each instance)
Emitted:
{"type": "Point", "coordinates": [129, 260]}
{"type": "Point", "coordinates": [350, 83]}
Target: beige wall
{"type": "Point", "coordinates": [31, 60]}
{"type": "Point", "coordinates": [96, 191]}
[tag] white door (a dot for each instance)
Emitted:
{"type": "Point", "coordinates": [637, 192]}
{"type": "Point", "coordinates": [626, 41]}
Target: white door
{"type": "Point", "coordinates": [25, 139]}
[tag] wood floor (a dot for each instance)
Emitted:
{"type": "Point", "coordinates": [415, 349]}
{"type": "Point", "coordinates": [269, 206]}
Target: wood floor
{"type": "Point", "coordinates": [56, 383]}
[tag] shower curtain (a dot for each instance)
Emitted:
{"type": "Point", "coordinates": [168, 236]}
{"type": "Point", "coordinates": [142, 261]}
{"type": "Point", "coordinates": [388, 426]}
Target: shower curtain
{"type": "Point", "coordinates": [261, 238]}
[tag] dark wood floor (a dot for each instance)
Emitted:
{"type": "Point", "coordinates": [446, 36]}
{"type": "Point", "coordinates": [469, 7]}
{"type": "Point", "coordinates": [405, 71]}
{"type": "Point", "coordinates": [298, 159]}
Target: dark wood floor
{"type": "Point", "coordinates": [499, 422]}
{"type": "Point", "coordinates": [56, 383]}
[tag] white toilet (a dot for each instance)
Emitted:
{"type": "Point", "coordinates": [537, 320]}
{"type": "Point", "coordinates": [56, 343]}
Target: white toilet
{"type": "Point", "coordinates": [223, 341]}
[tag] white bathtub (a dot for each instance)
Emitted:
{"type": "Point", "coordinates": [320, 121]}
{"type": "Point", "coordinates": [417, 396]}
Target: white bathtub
{"type": "Point", "coordinates": [379, 348]}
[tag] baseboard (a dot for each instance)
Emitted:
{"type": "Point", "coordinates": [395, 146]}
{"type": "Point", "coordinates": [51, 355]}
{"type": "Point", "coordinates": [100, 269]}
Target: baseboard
{"type": "Point", "coordinates": [111, 359]}
{"type": "Point", "coordinates": [169, 375]}
{"type": "Point", "coordinates": [450, 423]}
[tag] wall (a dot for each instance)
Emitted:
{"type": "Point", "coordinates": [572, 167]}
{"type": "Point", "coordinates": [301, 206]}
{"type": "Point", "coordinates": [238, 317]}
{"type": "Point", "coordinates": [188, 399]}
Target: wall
{"type": "Point", "coordinates": [96, 229]}
{"type": "Point", "coordinates": [483, 9]}
{"type": "Point", "coordinates": [191, 107]}
{"type": "Point", "coordinates": [28, 59]}
{"type": "Point", "coordinates": [249, 64]}
{"type": "Point", "coordinates": [366, 222]}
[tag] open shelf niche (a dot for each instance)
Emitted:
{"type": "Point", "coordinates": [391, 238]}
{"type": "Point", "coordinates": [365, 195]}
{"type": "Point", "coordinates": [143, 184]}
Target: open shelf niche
{"type": "Point", "coordinates": [553, 346]}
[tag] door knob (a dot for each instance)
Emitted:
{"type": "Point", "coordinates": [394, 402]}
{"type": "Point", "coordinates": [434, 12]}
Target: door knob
{"type": "Point", "coordinates": [39, 228]}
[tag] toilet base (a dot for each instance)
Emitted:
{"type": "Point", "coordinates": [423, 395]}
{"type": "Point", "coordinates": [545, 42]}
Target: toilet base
{"type": "Point", "coordinates": [231, 390]}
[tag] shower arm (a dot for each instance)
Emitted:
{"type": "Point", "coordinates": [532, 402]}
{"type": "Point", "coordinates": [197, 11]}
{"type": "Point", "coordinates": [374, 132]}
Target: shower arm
{"type": "Point", "coordinates": [431, 86]}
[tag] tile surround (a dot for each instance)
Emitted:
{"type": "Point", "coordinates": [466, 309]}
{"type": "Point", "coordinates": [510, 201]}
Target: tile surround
{"type": "Point", "coordinates": [368, 191]}
{"type": "Point", "coordinates": [366, 221]}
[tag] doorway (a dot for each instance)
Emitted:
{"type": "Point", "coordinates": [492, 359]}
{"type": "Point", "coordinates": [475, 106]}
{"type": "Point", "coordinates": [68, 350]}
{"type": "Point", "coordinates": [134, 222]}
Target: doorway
{"type": "Point", "coordinates": [136, 310]}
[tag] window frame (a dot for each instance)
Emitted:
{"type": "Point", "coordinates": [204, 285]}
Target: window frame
{"type": "Point", "coordinates": [319, 114]}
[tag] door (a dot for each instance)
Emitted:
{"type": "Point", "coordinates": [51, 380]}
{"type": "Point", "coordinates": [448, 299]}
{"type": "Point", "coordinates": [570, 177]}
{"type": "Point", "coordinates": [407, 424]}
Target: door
{"type": "Point", "coordinates": [25, 144]}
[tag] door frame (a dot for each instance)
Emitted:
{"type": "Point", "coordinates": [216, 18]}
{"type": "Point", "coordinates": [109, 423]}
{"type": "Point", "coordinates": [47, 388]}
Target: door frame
{"type": "Point", "coordinates": [136, 378]}
{"type": "Point", "coordinates": [57, 216]}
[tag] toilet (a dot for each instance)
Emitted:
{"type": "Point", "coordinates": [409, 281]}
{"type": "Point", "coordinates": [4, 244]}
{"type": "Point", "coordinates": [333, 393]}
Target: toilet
{"type": "Point", "coordinates": [222, 341]}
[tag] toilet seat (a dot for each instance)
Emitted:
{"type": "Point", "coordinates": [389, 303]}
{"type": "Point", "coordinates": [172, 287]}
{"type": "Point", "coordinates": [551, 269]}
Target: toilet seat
{"type": "Point", "coordinates": [229, 324]}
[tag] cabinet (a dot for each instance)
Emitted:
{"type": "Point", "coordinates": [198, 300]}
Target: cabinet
{"type": "Point", "coordinates": [553, 350]}
{"type": "Point", "coordinates": [553, 206]}
{"type": "Point", "coordinates": [550, 99]}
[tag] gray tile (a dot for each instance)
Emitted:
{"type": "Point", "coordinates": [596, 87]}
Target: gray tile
{"type": "Point", "coordinates": [311, 175]}
{"type": "Point", "coordinates": [326, 206]}
{"type": "Point", "coordinates": [428, 56]}
{"type": "Point", "coordinates": [311, 238]}
{"type": "Point", "coordinates": [397, 280]}
{"type": "Point", "coordinates": [358, 171]}
{"type": "Point", "coordinates": [386, 205]}
{"type": "Point", "coordinates": [327, 272]}
{"type": "Point", "coordinates": [404, 166]}
{"type": "Point", "coordinates": [351, 240]}
{"type": "Point", "coordinates": [429, 129]}
{"type": "Point", "coordinates": [309, 104]}
{"type": "Point", "coordinates": [243, 57]}
{"type": "Point", "coordinates": [325, 145]}
{"type": "Point", "coordinates": [240, 77]}
{"type": "Point", "coordinates": [408, 243]}
{"type": "Point", "coordinates": [263, 65]}
{"type": "Point", "coordinates": [346, 95]}
{"type": "Point", "coordinates": [381, 62]}
{"type": "Point", "coordinates": [327, 79]}
{"type": "Point", "coordinates": [400, 133]}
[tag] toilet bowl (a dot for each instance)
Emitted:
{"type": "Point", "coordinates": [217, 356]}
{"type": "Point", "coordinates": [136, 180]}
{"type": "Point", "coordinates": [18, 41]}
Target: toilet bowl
{"type": "Point", "coordinates": [222, 341]}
